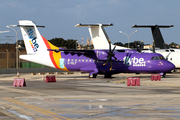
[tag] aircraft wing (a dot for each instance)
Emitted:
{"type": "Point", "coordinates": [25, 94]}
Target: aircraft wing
{"type": "Point", "coordinates": [88, 53]}
{"type": "Point", "coordinates": [71, 50]}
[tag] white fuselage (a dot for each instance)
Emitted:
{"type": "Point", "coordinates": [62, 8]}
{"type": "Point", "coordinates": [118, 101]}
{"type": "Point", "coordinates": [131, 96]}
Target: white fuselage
{"type": "Point", "coordinates": [172, 55]}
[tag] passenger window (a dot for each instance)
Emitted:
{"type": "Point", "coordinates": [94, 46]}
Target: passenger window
{"type": "Point", "coordinates": [152, 58]}
{"type": "Point", "coordinates": [86, 60]}
{"type": "Point", "coordinates": [82, 60]}
{"type": "Point", "coordinates": [90, 60]}
{"type": "Point", "coordinates": [79, 60]}
{"type": "Point", "coordinates": [157, 58]}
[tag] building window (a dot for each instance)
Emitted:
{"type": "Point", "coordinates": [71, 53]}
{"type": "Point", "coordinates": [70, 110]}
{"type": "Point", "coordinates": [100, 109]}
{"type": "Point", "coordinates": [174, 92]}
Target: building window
{"type": "Point", "coordinates": [13, 55]}
{"type": "Point", "coordinates": [2, 55]}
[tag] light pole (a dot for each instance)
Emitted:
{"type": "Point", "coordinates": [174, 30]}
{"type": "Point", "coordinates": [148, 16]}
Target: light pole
{"type": "Point", "coordinates": [7, 58]}
{"type": "Point", "coordinates": [3, 32]}
{"type": "Point", "coordinates": [10, 26]}
{"type": "Point", "coordinates": [129, 35]}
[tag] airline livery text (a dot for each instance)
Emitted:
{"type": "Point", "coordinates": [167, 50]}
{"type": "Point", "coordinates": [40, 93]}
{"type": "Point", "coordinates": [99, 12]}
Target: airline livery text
{"type": "Point", "coordinates": [33, 41]}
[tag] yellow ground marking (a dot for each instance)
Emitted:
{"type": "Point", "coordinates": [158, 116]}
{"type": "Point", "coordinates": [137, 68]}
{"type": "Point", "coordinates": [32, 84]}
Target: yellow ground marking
{"type": "Point", "coordinates": [46, 112]}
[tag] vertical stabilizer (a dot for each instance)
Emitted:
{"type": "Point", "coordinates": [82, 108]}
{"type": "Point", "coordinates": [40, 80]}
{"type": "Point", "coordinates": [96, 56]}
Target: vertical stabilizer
{"type": "Point", "coordinates": [156, 33]}
{"type": "Point", "coordinates": [32, 39]}
{"type": "Point", "coordinates": [99, 35]}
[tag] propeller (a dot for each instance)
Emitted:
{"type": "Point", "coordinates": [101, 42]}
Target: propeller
{"type": "Point", "coordinates": [110, 55]}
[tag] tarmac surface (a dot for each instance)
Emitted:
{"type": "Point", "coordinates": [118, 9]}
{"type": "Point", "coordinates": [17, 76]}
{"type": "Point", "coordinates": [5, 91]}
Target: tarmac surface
{"type": "Point", "coordinates": [76, 97]}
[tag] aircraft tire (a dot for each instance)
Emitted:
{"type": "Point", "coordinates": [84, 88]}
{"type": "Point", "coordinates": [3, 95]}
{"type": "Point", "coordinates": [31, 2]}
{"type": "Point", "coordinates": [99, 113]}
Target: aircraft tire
{"type": "Point", "coordinates": [94, 75]}
{"type": "Point", "coordinates": [107, 76]}
{"type": "Point", "coordinates": [164, 75]}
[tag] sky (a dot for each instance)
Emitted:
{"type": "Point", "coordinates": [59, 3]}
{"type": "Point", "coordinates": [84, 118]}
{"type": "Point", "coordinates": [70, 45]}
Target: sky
{"type": "Point", "coordinates": [60, 16]}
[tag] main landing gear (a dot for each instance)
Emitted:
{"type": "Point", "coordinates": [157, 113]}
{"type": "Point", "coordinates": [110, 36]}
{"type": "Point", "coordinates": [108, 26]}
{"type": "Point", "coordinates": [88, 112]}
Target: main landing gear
{"type": "Point", "coordinates": [163, 75]}
{"type": "Point", "coordinates": [93, 76]}
{"type": "Point", "coordinates": [107, 76]}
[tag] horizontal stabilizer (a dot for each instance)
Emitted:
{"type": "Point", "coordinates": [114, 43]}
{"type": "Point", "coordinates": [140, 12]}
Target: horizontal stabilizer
{"type": "Point", "coordinates": [88, 25]}
{"type": "Point", "coordinates": [29, 26]}
{"type": "Point", "coordinates": [156, 33]}
{"type": "Point", "coordinates": [149, 26]}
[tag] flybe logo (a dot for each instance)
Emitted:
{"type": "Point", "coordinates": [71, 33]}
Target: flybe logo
{"type": "Point", "coordinates": [33, 41]}
{"type": "Point", "coordinates": [134, 61]}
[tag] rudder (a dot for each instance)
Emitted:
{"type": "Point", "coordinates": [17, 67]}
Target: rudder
{"type": "Point", "coordinates": [32, 38]}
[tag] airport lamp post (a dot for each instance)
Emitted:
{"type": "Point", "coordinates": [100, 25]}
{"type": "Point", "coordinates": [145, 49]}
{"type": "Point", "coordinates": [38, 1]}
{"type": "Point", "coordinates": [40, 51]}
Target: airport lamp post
{"type": "Point", "coordinates": [10, 26]}
{"type": "Point", "coordinates": [129, 35]}
{"type": "Point", "coordinates": [3, 32]}
{"type": "Point", "coordinates": [6, 49]}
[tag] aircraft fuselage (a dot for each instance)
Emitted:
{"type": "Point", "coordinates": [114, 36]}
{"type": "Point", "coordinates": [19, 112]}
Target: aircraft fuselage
{"type": "Point", "coordinates": [126, 63]}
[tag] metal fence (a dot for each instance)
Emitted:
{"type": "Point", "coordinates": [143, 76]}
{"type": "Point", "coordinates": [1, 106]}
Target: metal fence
{"type": "Point", "coordinates": [28, 70]}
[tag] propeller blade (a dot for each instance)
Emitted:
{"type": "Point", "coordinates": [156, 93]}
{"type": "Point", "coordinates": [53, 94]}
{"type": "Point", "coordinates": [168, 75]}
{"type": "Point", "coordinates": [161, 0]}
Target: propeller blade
{"type": "Point", "coordinates": [111, 65]}
{"type": "Point", "coordinates": [110, 55]}
{"type": "Point", "coordinates": [114, 48]}
{"type": "Point", "coordinates": [115, 58]}
{"type": "Point", "coordinates": [110, 69]}
{"type": "Point", "coordinates": [107, 60]}
{"type": "Point", "coordinates": [109, 45]}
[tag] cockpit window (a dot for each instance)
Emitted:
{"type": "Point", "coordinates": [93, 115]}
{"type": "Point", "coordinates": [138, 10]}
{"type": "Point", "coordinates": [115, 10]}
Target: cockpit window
{"type": "Point", "coordinates": [161, 57]}
{"type": "Point", "coordinates": [152, 58]}
{"type": "Point", "coordinates": [157, 58]}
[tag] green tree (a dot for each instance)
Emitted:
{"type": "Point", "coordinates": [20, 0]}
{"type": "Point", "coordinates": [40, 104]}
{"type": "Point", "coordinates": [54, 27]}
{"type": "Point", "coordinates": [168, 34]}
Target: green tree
{"type": "Point", "coordinates": [118, 43]}
{"type": "Point", "coordinates": [171, 44]}
{"type": "Point", "coordinates": [60, 42]}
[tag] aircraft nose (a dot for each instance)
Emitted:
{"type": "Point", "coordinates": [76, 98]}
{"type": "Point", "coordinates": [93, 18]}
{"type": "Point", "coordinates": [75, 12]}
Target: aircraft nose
{"type": "Point", "coordinates": [170, 66]}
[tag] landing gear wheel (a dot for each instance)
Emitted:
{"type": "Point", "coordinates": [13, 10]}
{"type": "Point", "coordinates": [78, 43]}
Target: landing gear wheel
{"type": "Point", "coordinates": [94, 75]}
{"type": "Point", "coordinates": [107, 76]}
{"type": "Point", "coordinates": [164, 75]}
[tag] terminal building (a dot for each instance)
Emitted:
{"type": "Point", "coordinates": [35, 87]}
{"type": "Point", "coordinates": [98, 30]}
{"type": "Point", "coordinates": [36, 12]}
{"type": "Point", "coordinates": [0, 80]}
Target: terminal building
{"type": "Point", "coordinates": [8, 57]}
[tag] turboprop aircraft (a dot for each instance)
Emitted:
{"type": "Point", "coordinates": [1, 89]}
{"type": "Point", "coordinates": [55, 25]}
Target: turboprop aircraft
{"type": "Point", "coordinates": [107, 62]}
{"type": "Point", "coordinates": [170, 54]}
